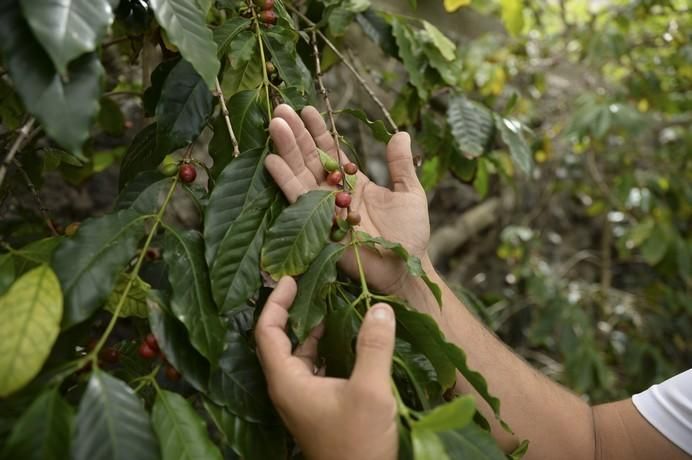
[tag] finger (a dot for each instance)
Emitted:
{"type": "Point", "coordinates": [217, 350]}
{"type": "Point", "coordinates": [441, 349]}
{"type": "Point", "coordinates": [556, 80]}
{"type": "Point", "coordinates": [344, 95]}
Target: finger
{"type": "Point", "coordinates": [285, 178]}
{"type": "Point", "coordinates": [285, 143]}
{"type": "Point", "coordinates": [375, 348]}
{"type": "Point", "coordinates": [318, 129]}
{"type": "Point", "coordinates": [307, 351]}
{"type": "Point", "coordinates": [400, 163]}
{"type": "Point", "coordinates": [273, 345]}
{"type": "Point", "coordinates": [304, 140]}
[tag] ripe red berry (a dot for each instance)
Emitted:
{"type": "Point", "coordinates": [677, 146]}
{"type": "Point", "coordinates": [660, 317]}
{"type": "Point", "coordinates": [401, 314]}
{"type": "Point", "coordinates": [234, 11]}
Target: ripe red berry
{"type": "Point", "coordinates": [150, 339]}
{"type": "Point", "coordinates": [343, 199]}
{"type": "Point", "coordinates": [172, 374]}
{"type": "Point", "coordinates": [334, 178]}
{"type": "Point", "coordinates": [353, 218]}
{"type": "Point", "coordinates": [266, 4]}
{"type": "Point", "coordinates": [146, 352]}
{"type": "Point", "coordinates": [350, 168]}
{"type": "Point", "coordinates": [110, 355]}
{"type": "Point", "coordinates": [187, 173]}
{"type": "Point", "coordinates": [268, 16]}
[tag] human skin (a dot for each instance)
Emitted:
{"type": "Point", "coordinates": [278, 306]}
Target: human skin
{"type": "Point", "coordinates": [557, 423]}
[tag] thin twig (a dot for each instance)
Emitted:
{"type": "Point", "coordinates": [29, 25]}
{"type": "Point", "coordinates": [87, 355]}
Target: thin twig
{"type": "Point", "coordinates": [23, 135]}
{"type": "Point", "coordinates": [32, 188]}
{"type": "Point", "coordinates": [350, 67]}
{"type": "Point", "coordinates": [227, 117]}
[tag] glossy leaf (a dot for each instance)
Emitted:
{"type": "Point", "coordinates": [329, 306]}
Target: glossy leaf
{"type": "Point", "coordinates": [421, 374]}
{"type": "Point", "coordinates": [378, 128]}
{"type": "Point", "coordinates": [235, 274]}
{"type": "Point", "coordinates": [428, 446]}
{"type": "Point", "coordinates": [141, 155]}
{"type": "Point", "coordinates": [239, 384]}
{"type": "Point", "coordinates": [226, 32]}
{"type": "Point", "coordinates": [89, 264]}
{"type": "Point", "coordinates": [281, 43]}
{"type": "Point", "coordinates": [471, 125]}
{"type": "Point", "coordinates": [43, 431]}
{"type": "Point", "coordinates": [453, 415]}
{"type": "Point", "coordinates": [512, 136]}
{"type": "Point", "coordinates": [31, 311]}
{"type": "Point", "coordinates": [111, 423]}
{"type": "Point", "coordinates": [310, 304]}
{"type": "Point", "coordinates": [181, 431]}
{"type": "Point", "coordinates": [245, 70]}
{"type": "Point", "coordinates": [471, 442]}
{"type": "Point", "coordinates": [183, 108]}
{"type": "Point", "coordinates": [151, 96]}
{"type": "Point", "coordinates": [144, 193]}
{"type": "Point", "coordinates": [251, 441]}
{"type": "Point", "coordinates": [69, 28]}
{"type": "Point", "coordinates": [341, 326]}
{"type": "Point", "coordinates": [238, 185]}
{"type": "Point", "coordinates": [191, 301]}
{"type": "Point", "coordinates": [136, 301]}
{"type": "Point", "coordinates": [65, 107]}
{"type": "Point", "coordinates": [298, 235]}
{"type": "Point", "coordinates": [186, 28]}
{"type": "Point", "coordinates": [247, 118]}
{"type": "Point", "coordinates": [377, 29]}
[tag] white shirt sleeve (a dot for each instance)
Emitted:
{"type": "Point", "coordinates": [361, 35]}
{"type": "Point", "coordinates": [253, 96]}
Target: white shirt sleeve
{"type": "Point", "coordinates": [668, 407]}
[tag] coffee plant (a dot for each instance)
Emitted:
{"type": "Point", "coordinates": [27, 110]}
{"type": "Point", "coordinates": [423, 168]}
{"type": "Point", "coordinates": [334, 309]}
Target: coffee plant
{"type": "Point", "coordinates": [129, 335]}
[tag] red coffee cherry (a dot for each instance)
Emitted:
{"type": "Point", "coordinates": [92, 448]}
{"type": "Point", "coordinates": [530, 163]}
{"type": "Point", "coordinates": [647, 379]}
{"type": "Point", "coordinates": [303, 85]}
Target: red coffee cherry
{"type": "Point", "coordinates": [172, 374]}
{"type": "Point", "coordinates": [110, 355]}
{"type": "Point", "coordinates": [146, 352]}
{"type": "Point", "coordinates": [187, 173]}
{"type": "Point", "coordinates": [350, 168]}
{"type": "Point", "coordinates": [353, 218]}
{"type": "Point", "coordinates": [343, 199]}
{"type": "Point", "coordinates": [268, 16]}
{"type": "Point", "coordinates": [150, 339]}
{"type": "Point", "coordinates": [265, 4]}
{"type": "Point", "coordinates": [334, 178]}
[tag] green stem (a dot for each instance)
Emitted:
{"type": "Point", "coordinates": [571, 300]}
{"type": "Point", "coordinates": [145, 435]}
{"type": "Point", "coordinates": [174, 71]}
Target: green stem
{"type": "Point", "coordinates": [361, 274]}
{"type": "Point", "coordinates": [265, 76]}
{"type": "Point", "coordinates": [93, 355]}
{"type": "Point", "coordinates": [402, 408]}
{"type": "Point", "coordinates": [146, 379]}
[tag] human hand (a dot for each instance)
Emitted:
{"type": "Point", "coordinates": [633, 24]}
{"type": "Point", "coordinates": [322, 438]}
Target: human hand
{"type": "Point", "coordinates": [331, 418]}
{"type": "Point", "coordinates": [399, 215]}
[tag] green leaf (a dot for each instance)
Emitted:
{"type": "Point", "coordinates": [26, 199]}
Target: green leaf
{"type": "Point", "coordinates": [310, 304]}
{"type": "Point", "coordinates": [471, 442]}
{"type": "Point", "coordinates": [68, 29]}
{"type": "Point", "coordinates": [136, 302]}
{"type": "Point", "coordinates": [43, 431]}
{"type": "Point", "coordinates": [520, 451]}
{"type": "Point", "coordinates": [471, 125]}
{"type": "Point", "coordinates": [89, 264]}
{"type": "Point", "coordinates": [377, 127]}
{"type": "Point", "coordinates": [7, 273]}
{"type": "Point", "coordinates": [186, 27]}
{"type": "Point", "coordinates": [281, 43]}
{"type": "Point", "coordinates": [428, 446]}
{"type": "Point", "coordinates": [511, 133]}
{"type": "Point", "coordinates": [181, 431]}
{"type": "Point", "coordinates": [65, 107]}
{"type": "Point", "coordinates": [512, 12]}
{"type": "Point", "coordinates": [226, 32]}
{"type": "Point", "coordinates": [656, 246]}
{"type": "Point", "coordinates": [174, 341]}
{"type": "Point", "coordinates": [235, 273]}
{"type": "Point", "coordinates": [443, 44]}
{"type": "Point", "coordinates": [251, 441]}
{"type": "Point", "coordinates": [247, 118]}
{"type": "Point", "coordinates": [31, 312]}
{"type": "Point", "coordinates": [450, 416]}
{"type": "Point", "coordinates": [481, 182]}
{"type": "Point", "coordinates": [35, 253]}
{"type": "Point", "coordinates": [378, 31]}
{"type": "Point", "coordinates": [410, 52]}
{"type": "Point", "coordinates": [111, 118]}
{"type": "Point", "coordinates": [144, 193]}
{"type": "Point", "coordinates": [183, 108]}
{"type": "Point", "coordinates": [239, 184]}
{"type": "Point", "coordinates": [191, 301]}
{"type": "Point", "coordinates": [111, 423]}
{"type": "Point", "coordinates": [11, 108]}
{"type": "Point", "coordinates": [151, 96]}
{"type": "Point", "coordinates": [421, 374]}
{"type": "Point", "coordinates": [239, 383]}
{"type": "Point", "coordinates": [298, 235]}
{"type": "Point", "coordinates": [245, 70]}
{"type": "Point", "coordinates": [141, 155]}
{"type": "Point", "coordinates": [341, 326]}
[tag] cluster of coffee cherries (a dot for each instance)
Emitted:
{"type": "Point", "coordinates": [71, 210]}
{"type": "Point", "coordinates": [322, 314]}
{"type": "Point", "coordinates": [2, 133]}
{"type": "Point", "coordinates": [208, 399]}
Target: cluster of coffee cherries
{"type": "Point", "coordinates": [267, 14]}
{"type": "Point", "coordinates": [149, 349]}
{"type": "Point", "coordinates": [343, 198]}
{"type": "Point", "coordinates": [186, 171]}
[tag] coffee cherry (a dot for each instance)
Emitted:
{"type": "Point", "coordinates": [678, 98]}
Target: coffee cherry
{"type": "Point", "coordinates": [71, 229]}
{"type": "Point", "coordinates": [187, 173]}
{"type": "Point", "coordinates": [334, 178]}
{"type": "Point", "coordinates": [265, 4]}
{"type": "Point", "coordinates": [350, 168]}
{"type": "Point", "coordinates": [343, 199]}
{"type": "Point", "coordinates": [271, 68]}
{"type": "Point", "coordinates": [331, 165]}
{"type": "Point", "coordinates": [353, 218]}
{"type": "Point", "coordinates": [153, 254]}
{"type": "Point", "coordinates": [110, 355]}
{"type": "Point", "coordinates": [150, 340]}
{"type": "Point", "coordinates": [146, 352]}
{"type": "Point", "coordinates": [337, 234]}
{"type": "Point", "coordinates": [268, 17]}
{"type": "Point", "coordinates": [172, 374]}
{"type": "Point", "coordinates": [168, 169]}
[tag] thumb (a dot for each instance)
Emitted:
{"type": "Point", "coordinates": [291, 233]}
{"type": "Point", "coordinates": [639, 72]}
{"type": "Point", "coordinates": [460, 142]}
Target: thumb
{"type": "Point", "coordinates": [375, 347]}
{"type": "Point", "coordinates": [400, 160]}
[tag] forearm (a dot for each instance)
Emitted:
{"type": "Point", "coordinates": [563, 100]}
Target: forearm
{"type": "Point", "coordinates": [554, 420]}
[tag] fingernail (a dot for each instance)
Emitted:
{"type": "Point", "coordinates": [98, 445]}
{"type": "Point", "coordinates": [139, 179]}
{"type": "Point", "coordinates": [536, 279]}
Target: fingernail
{"type": "Point", "coordinates": [382, 313]}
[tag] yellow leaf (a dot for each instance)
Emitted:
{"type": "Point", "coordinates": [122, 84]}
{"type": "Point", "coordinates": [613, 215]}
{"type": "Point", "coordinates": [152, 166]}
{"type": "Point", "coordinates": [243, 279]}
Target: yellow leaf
{"type": "Point", "coordinates": [513, 15]}
{"type": "Point", "coordinates": [453, 5]}
{"type": "Point", "coordinates": [31, 311]}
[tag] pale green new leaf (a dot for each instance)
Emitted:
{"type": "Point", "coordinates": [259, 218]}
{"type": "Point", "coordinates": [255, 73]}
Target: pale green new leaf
{"type": "Point", "coordinates": [31, 311]}
{"type": "Point", "coordinates": [446, 47]}
{"type": "Point", "coordinates": [411, 55]}
{"type": "Point", "coordinates": [136, 301]}
{"type": "Point", "coordinates": [471, 442]}
{"type": "Point", "coordinates": [512, 12]}
{"type": "Point", "coordinates": [450, 416]}
{"type": "Point", "coordinates": [428, 446]}
{"type": "Point", "coordinates": [245, 71]}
